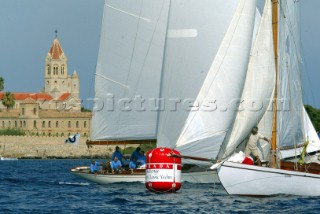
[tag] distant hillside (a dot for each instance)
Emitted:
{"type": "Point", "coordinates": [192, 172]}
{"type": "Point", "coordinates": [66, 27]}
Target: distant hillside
{"type": "Point", "coordinates": [314, 115]}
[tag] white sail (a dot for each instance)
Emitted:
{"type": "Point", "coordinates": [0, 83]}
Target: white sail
{"type": "Point", "coordinates": [205, 128]}
{"type": "Point", "coordinates": [195, 32]}
{"type": "Point", "coordinates": [129, 68]}
{"type": "Point", "coordinates": [311, 137]}
{"type": "Point", "coordinates": [290, 118]}
{"type": "Point", "coordinates": [259, 85]}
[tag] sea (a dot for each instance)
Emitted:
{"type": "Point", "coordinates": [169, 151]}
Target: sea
{"type": "Point", "coordinates": [46, 186]}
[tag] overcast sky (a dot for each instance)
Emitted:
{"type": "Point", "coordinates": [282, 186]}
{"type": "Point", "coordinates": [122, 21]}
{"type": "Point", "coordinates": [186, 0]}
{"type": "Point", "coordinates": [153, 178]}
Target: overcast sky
{"type": "Point", "coordinates": [27, 32]}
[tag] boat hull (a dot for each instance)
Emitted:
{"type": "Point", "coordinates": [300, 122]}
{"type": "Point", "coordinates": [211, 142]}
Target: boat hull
{"type": "Point", "coordinates": [209, 176]}
{"type": "Point", "coordinates": [241, 179]}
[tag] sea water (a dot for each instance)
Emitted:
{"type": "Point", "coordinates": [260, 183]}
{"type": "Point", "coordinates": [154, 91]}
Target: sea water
{"type": "Point", "coordinates": [46, 186]}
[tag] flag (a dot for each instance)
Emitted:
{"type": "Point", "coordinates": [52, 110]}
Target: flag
{"type": "Point", "coordinates": [73, 139]}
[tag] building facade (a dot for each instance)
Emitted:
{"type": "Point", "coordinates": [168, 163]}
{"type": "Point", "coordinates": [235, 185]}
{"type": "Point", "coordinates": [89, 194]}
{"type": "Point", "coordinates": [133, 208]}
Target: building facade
{"type": "Point", "coordinates": [56, 110]}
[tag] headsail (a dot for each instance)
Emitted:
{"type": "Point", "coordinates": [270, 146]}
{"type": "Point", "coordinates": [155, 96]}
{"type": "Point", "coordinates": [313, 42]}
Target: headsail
{"type": "Point", "coordinates": [258, 88]}
{"type": "Point", "coordinates": [129, 69]}
{"type": "Point", "coordinates": [224, 61]}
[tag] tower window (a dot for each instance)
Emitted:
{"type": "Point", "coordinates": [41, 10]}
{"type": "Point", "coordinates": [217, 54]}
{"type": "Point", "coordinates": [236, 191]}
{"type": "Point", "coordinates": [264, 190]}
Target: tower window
{"type": "Point", "coordinates": [49, 69]}
{"type": "Point", "coordinates": [55, 70]}
{"type": "Point", "coordinates": [34, 111]}
{"type": "Point", "coordinates": [69, 124]}
{"type": "Point", "coordinates": [35, 124]}
{"type": "Point", "coordinates": [57, 124]}
{"type": "Point", "coordinates": [62, 70]}
{"type": "Point", "coordinates": [43, 124]}
{"type": "Point", "coordinates": [49, 124]}
{"type": "Point", "coordinates": [85, 124]}
{"type": "Point", "coordinates": [77, 124]}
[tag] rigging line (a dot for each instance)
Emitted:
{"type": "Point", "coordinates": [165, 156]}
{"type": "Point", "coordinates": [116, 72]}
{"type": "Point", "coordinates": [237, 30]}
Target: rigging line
{"type": "Point", "coordinates": [130, 14]}
{"type": "Point", "coordinates": [111, 80]}
{"type": "Point", "coordinates": [218, 70]}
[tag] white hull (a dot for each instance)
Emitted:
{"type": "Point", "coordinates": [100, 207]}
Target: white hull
{"type": "Point", "coordinates": [192, 177]}
{"type": "Point", "coordinates": [241, 179]}
{"type": "Point", "coordinates": [110, 178]}
{"type": "Point", "coordinates": [4, 158]}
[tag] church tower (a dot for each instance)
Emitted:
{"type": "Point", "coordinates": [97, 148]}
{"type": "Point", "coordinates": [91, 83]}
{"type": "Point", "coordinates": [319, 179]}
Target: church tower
{"type": "Point", "coordinates": [57, 81]}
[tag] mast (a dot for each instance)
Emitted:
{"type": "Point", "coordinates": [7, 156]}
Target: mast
{"type": "Point", "coordinates": [275, 20]}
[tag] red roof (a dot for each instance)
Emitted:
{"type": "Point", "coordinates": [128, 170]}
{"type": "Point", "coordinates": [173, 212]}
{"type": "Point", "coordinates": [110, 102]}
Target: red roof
{"type": "Point", "coordinates": [56, 50]}
{"type": "Point", "coordinates": [64, 96]}
{"type": "Point", "coordinates": [23, 96]}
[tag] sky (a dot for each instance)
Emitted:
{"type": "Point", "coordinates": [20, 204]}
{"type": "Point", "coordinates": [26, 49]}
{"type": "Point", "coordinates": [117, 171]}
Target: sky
{"type": "Point", "coordinates": [27, 31]}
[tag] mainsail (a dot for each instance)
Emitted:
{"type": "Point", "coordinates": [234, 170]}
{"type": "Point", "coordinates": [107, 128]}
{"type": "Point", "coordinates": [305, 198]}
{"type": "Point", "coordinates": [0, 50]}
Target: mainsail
{"type": "Point", "coordinates": [209, 65]}
{"type": "Point", "coordinates": [128, 70]}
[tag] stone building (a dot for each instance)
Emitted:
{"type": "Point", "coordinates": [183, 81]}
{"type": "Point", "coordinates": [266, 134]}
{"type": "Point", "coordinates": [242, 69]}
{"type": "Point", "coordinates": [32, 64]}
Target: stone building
{"type": "Point", "coordinates": [56, 110]}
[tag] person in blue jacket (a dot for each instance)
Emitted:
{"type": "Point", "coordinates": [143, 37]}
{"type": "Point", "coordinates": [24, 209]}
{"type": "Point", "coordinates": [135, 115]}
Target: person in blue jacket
{"type": "Point", "coordinates": [115, 165]}
{"type": "Point", "coordinates": [94, 167]}
{"type": "Point", "coordinates": [133, 164]}
{"type": "Point", "coordinates": [117, 153]}
{"type": "Point", "coordinates": [141, 159]}
{"type": "Point", "coordinates": [135, 154]}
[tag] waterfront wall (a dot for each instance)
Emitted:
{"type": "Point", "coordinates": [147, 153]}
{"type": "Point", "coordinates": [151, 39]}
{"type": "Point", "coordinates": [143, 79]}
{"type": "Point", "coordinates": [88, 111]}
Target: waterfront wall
{"type": "Point", "coordinates": [49, 147]}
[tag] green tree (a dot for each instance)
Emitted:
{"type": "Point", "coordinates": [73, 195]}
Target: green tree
{"type": "Point", "coordinates": [1, 83]}
{"type": "Point", "coordinates": [8, 100]}
{"type": "Point", "coordinates": [314, 115]}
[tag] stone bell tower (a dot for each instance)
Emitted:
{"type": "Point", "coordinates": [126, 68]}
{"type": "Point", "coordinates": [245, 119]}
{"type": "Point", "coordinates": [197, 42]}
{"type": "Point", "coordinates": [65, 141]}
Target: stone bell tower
{"type": "Point", "coordinates": [57, 81]}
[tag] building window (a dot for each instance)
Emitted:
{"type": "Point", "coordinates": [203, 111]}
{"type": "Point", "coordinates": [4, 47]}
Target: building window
{"type": "Point", "coordinates": [77, 124]}
{"type": "Point", "coordinates": [69, 124]}
{"type": "Point", "coordinates": [55, 70]}
{"type": "Point", "coordinates": [9, 124]}
{"type": "Point", "coordinates": [20, 124]}
{"type": "Point", "coordinates": [62, 70]}
{"type": "Point", "coordinates": [24, 124]}
{"type": "Point", "coordinates": [3, 124]}
{"type": "Point", "coordinates": [43, 124]}
{"type": "Point", "coordinates": [35, 124]}
{"type": "Point", "coordinates": [49, 69]}
{"type": "Point", "coordinates": [57, 124]}
{"type": "Point", "coordinates": [23, 111]}
{"type": "Point", "coordinates": [34, 111]}
{"type": "Point", "coordinates": [85, 124]}
{"type": "Point", "coordinates": [49, 124]}
{"type": "Point", "coordinates": [15, 124]}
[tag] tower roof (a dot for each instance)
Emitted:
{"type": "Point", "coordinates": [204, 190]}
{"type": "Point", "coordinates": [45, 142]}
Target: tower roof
{"type": "Point", "coordinates": [56, 51]}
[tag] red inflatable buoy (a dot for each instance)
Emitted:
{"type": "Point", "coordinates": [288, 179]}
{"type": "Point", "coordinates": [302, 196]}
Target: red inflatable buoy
{"type": "Point", "coordinates": [163, 172]}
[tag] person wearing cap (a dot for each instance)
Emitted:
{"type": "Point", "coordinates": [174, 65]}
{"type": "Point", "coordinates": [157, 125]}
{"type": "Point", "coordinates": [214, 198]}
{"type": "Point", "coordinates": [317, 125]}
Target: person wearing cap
{"type": "Point", "coordinates": [115, 165]}
{"type": "Point", "coordinates": [252, 144]}
{"type": "Point", "coordinates": [117, 153]}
